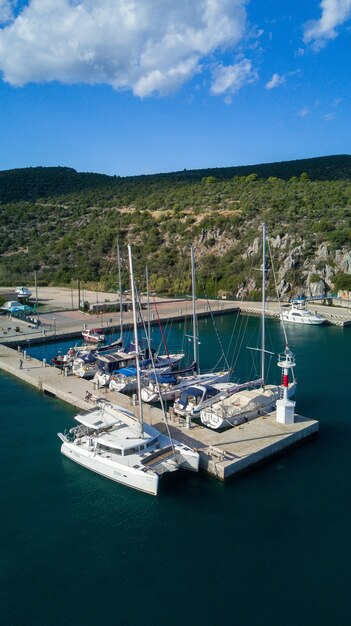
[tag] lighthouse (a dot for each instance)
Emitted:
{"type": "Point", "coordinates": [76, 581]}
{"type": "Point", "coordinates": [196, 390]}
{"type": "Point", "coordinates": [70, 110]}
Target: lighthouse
{"type": "Point", "coordinates": [286, 407]}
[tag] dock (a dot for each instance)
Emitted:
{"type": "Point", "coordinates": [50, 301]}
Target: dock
{"type": "Point", "coordinates": [337, 316]}
{"type": "Point", "coordinates": [222, 454]}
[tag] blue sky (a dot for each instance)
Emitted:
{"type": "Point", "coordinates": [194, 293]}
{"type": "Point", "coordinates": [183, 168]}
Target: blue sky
{"type": "Point", "coordinates": [141, 86]}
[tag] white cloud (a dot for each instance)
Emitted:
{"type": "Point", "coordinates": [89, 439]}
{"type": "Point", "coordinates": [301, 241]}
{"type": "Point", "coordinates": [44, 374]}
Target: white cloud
{"type": "Point", "coordinates": [334, 13]}
{"type": "Point", "coordinates": [328, 117]}
{"type": "Point", "coordinates": [147, 46]}
{"type": "Point", "coordinates": [228, 79]}
{"type": "Point", "coordinates": [304, 111]}
{"type": "Point", "coordinates": [275, 81]}
{"type": "Point", "coordinates": [6, 9]}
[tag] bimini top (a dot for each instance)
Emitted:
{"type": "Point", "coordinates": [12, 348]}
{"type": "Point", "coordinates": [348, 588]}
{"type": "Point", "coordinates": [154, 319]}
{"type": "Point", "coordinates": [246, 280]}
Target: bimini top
{"type": "Point", "coordinates": [196, 391]}
{"type": "Point", "coordinates": [117, 357]}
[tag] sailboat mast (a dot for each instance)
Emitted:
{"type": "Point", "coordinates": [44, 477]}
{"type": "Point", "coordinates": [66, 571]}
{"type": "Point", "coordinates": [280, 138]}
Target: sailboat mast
{"type": "Point", "coordinates": [263, 346]}
{"type": "Point", "coordinates": [136, 342]}
{"type": "Point", "coordinates": [148, 303]}
{"type": "Point", "coordinates": [120, 292]}
{"type": "Point", "coordinates": [195, 343]}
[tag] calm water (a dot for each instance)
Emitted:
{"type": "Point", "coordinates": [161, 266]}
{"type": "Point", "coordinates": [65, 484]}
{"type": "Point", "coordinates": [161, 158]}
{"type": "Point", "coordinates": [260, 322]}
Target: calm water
{"type": "Point", "coordinates": [271, 547]}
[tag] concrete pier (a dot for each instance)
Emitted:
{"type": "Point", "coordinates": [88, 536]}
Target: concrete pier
{"type": "Point", "coordinates": [222, 454]}
{"type": "Point", "coordinates": [337, 316]}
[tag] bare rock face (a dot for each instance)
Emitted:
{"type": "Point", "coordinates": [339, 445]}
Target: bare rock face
{"type": "Point", "coordinates": [323, 252]}
{"type": "Point", "coordinates": [338, 255]}
{"type": "Point", "coordinates": [284, 288]}
{"type": "Point", "coordinates": [345, 264]}
{"type": "Point", "coordinates": [280, 242]}
{"type": "Point", "coordinates": [253, 249]}
{"type": "Point", "coordinates": [245, 289]}
{"type": "Point", "coordinates": [318, 288]}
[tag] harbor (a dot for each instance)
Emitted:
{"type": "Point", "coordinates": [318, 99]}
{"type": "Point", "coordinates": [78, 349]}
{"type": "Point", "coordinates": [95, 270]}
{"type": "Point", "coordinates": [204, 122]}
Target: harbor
{"type": "Point", "coordinates": [222, 454]}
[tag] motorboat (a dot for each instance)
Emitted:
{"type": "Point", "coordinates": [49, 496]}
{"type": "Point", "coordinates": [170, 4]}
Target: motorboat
{"type": "Point", "coordinates": [108, 440]}
{"type": "Point", "coordinates": [23, 292]}
{"type": "Point", "coordinates": [298, 314]}
{"type": "Point", "coordinates": [95, 335]}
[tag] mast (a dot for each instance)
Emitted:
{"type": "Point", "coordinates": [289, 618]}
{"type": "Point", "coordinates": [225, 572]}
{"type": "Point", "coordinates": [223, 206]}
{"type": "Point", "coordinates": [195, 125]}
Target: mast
{"type": "Point", "coordinates": [263, 346]}
{"type": "Point", "coordinates": [120, 292]}
{"type": "Point", "coordinates": [148, 303]}
{"type": "Point", "coordinates": [36, 294]}
{"type": "Point", "coordinates": [136, 342]}
{"type": "Point", "coordinates": [195, 343]}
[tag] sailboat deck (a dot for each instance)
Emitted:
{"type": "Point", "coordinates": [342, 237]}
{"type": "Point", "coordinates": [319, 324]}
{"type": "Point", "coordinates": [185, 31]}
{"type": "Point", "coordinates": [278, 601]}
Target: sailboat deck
{"type": "Point", "coordinates": [221, 453]}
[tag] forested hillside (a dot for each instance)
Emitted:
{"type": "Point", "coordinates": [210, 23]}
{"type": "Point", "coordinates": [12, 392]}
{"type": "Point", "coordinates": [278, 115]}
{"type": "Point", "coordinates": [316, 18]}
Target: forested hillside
{"type": "Point", "coordinates": [65, 225]}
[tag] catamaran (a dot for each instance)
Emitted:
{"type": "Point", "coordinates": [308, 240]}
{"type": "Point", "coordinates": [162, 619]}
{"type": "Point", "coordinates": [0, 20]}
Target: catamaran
{"type": "Point", "coordinates": [110, 441]}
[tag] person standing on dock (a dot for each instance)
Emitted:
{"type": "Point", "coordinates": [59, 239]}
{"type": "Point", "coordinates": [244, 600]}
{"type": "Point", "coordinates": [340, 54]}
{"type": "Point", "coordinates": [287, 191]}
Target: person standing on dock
{"type": "Point", "coordinates": [20, 364]}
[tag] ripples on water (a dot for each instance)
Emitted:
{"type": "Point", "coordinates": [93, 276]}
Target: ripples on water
{"type": "Point", "coordinates": [270, 547]}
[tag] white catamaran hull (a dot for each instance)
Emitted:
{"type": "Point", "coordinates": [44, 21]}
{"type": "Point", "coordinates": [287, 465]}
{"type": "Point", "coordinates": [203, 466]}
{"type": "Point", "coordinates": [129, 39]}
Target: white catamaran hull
{"type": "Point", "coordinates": [129, 476]}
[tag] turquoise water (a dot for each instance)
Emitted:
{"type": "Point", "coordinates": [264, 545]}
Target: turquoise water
{"type": "Point", "coordinates": [270, 547]}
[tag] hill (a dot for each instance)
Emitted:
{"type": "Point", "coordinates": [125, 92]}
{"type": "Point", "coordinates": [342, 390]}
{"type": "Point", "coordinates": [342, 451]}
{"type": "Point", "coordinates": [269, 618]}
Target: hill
{"type": "Point", "coordinates": [41, 182]}
{"type": "Point", "coordinates": [64, 225]}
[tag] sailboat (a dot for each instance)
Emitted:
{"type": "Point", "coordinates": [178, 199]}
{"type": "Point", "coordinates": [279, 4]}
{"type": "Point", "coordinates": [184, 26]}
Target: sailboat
{"type": "Point", "coordinates": [254, 398]}
{"type": "Point", "coordinates": [170, 386]}
{"type": "Point", "coordinates": [114, 443]}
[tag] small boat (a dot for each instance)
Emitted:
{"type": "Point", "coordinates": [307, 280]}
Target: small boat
{"type": "Point", "coordinates": [23, 292]}
{"type": "Point", "coordinates": [95, 335]}
{"type": "Point", "coordinates": [85, 365]}
{"type": "Point", "coordinates": [298, 314]}
{"type": "Point", "coordinates": [109, 365]}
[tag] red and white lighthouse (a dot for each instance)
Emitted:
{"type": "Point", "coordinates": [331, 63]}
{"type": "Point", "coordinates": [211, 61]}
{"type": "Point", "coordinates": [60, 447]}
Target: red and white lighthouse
{"type": "Point", "coordinates": [286, 407]}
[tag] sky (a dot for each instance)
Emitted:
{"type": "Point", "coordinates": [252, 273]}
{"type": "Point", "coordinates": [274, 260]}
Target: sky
{"type": "Point", "coordinates": [127, 87]}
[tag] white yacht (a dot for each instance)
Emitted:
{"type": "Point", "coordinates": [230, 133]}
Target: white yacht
{"type": "Point", "coordinates": [242, 406]}
{"type": "Point", "coordinates": [170, 386]}
{"type": "Point", "coordinates": [196, 397]}
{"type": "Point", "coordinates": [298, 314]}
{"type": "Point", "coordinates": [23, 292]}
{"type": "Point", "coordinates": [111, 441]}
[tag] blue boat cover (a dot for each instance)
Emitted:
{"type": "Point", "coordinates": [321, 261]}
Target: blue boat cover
{"type": "Point", "coordinates": [163, 378]}
{"type": "Point", "coordinates": [126, 371]}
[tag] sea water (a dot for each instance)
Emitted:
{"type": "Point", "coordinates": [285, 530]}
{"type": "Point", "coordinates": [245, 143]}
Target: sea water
{"type": "Point", "coordinates": [268, 547]}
